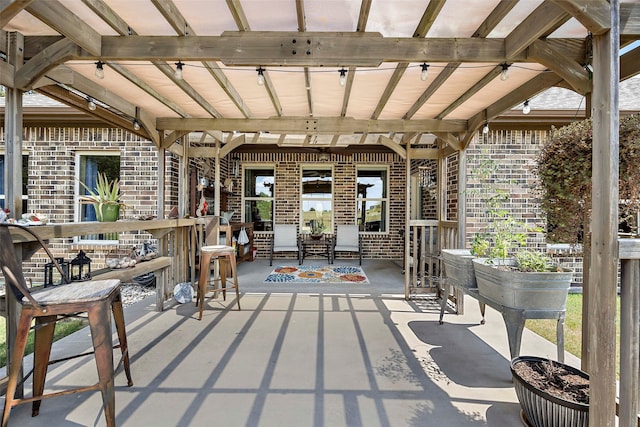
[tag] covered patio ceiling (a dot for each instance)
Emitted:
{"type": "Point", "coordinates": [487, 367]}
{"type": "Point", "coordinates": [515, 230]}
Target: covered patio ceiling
{"type": "Point", "coordinates": [382, 46]}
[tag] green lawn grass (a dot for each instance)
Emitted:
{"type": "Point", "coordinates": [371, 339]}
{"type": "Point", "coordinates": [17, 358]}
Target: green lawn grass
{"type": "Point", "coordinates": [572, 328]}
{"type": "Point", "coordinates": [63, 328]}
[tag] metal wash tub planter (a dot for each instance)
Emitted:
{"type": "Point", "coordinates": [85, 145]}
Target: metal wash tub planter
{"type": "Point", "coordinates": [523, 290]}
{"type": "Point", "coordinates": [458, 267]}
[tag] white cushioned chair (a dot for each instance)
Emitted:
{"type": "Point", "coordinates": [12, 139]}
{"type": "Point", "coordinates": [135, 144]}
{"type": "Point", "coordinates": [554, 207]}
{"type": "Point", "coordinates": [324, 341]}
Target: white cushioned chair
{"type": "Point", "coordinates": [285, 239]}
{"type": "Point", "coordinates": [348, 240]}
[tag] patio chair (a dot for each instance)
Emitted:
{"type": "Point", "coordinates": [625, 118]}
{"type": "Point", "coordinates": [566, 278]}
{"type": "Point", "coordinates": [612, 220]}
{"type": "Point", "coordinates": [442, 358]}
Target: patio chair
{"type": "Point", "coordinates": [347, 239]}
{"type": "Point", "coordinates": [96, 298]}
{"type": "Point", "coordinates": [285, 239]}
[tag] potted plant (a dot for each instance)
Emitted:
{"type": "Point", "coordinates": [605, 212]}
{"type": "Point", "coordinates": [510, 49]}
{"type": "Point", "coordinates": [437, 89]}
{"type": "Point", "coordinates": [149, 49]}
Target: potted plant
{"type": "Point", "coordinates": [551, 393]}
{"type": "Point", "coordinates": [506, 273]}
{"type": "Point", "coordinates": [317, 228]}
{"type": "Point", "coordinates": [105, 198]}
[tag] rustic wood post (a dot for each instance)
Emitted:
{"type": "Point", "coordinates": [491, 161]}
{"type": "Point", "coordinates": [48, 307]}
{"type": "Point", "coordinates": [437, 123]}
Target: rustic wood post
{"type": "Point", "coordinates": [604, 226]}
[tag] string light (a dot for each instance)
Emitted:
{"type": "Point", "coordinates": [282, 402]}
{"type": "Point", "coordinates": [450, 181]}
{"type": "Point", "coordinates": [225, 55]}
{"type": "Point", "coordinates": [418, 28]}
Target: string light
{"type": "Point", "coordinates": [526, 108]}
{"type": "Point", "coordinates": [91, 104]}
{"type": "Point", "coordinates": [504, 75]}
{"type": "Point", "coordinates": [425, 71]}
{"type": "Point", "coordinates": [343, 76]}
{"type": "Point", "coordinates": [485, 128]}
{"type": "Point", "coordinates": [178, 73]}
{"type": "Point", "coordinates": [99, 70]}
{"type": "Point", "coordinates": [136, 125]}
{"type": "Point", "coordinates": [260, 71]}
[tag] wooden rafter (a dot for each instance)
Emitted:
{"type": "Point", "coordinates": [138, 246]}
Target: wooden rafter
{"type": "Point", "coordinates": [302, 27]}
{"type": "Point", "coordinates": [58, 17]}
{"type": "Point", "coordinates": [243, 25]}
{"type": "Point", "coordinates": [44, 61]}
{"type": "Point", "coordinates": [488, 78]}
{"type": "Point", "coordinates": [10, 8]}
{"type": "Point", "coordinates": [630, 64]}
{"type": "Point", "coordinates": [593, 14]}
{"type": "Point", "coordinates": [542, 21]}
{"type": "Point", "coordinates": [571, 71]}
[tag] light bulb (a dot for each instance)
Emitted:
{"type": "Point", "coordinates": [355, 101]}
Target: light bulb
{"type": "Point", "coordinates": [425, 71]}
{"type": "Point", "coordinates": [485, 129]}
{"type": "Point", "coordinates": [99, 70]}
{"type": "Point", "coordinates": [343, 77]}
{"type": "Point", "coordinates": [91, 104]}
{"type": "Point", "coordinates": [526, 108]}
{"type": "Point", "coordinates": [260, 71]}
{"type": "Point", "coordinates": [504, 75]}
{"type": "Point", "coordinates": [178, 73]}
{"type": "Point", "coordinates": [136, 125]}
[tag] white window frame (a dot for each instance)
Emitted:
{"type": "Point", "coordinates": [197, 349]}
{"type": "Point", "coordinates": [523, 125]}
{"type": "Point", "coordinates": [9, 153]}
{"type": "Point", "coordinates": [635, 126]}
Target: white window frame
{"type": "Point", "coordinates": [385, 200]}
{"type": "Point", "coordinates": [244, 199]}
{"type": "Point", "coordinates": [317, 166]}
{"type": "Point", "coordinates": [76, 194]}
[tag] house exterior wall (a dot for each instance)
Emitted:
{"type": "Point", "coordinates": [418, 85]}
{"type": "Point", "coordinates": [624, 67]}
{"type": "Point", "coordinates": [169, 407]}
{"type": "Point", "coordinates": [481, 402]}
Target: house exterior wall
{"type": "Point", "coordinates": [52, 158]}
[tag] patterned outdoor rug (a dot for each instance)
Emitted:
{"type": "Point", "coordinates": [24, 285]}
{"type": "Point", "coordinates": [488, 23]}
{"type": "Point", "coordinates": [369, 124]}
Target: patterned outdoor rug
{"type": "Point", "coordinates": [317, 274]}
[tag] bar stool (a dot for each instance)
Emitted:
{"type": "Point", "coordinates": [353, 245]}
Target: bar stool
{"type": "Point", "coordinates": [226, 256]}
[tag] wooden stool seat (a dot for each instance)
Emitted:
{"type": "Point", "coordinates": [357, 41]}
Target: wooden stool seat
{"type": "Point", "coordinates": [224, 255]}
{"type": "Point", "coordinates": [97, 298]}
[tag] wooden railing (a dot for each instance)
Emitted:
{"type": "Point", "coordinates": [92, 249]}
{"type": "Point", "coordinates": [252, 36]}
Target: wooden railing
{"type": "Point", "coordinates": [423, 264]}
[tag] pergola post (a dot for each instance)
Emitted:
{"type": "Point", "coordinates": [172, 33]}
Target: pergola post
{"type": "Point", "coordinates": [604, 226]}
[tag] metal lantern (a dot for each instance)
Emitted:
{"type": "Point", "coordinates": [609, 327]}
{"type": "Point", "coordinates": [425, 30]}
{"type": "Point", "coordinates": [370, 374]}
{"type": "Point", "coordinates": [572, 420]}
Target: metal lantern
{"type": "Point", "coordinates": [52, 276]}
{"type": "Point", "coordinates": [80, 267]}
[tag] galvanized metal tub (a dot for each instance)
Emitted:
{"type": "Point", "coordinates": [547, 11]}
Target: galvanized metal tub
{"type": "Point", "coordinates": [522, 290]}
{"type": "Point", "coordinates": [459, 268]}
{"type": "Point", "coordinates": [544, 410]}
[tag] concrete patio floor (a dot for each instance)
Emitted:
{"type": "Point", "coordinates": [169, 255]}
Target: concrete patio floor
{"type": "Point", "coordinates": [300, 355]}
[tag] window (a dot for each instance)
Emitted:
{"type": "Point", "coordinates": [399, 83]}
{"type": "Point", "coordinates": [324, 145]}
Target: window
{"type": "Point", "coordinates": [373, 199]}
{"type": "Point", "coordinates": [89, 166]}
{"type": "Point", "coordinates": [25, 180]}
{"type": "Point", "coordinates": [317, 199]}
{"type": "Point", "coordinates": [258, 197]}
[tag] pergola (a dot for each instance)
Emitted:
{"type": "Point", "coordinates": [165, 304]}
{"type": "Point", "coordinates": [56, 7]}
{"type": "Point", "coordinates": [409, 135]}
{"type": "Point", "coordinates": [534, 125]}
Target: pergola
{"type": "Point", "coordinates": [340, 74]}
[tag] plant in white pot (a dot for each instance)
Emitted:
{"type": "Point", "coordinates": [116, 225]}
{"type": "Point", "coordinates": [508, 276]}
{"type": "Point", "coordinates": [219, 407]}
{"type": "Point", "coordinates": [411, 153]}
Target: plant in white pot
{"type": "Point", "coordinates": [105, 198]}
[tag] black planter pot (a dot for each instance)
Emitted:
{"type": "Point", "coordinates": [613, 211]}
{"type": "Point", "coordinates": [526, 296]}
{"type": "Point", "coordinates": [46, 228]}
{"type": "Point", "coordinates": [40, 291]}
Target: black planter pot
{"type": "Point", "coordinates": [541, 408]}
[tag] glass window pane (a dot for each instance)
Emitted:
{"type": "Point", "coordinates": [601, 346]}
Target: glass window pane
{"type": "Point", "coordinates": [260, 213]}
{"type": "Point", "coordinates": [316, 182]}
{"type": "Point", "coordinates": [90, 166]}
{"type": "Point", "coordinates": [25, 184]}
{"type": "Point", "coordinates": [318, 211]}
{"type": "Point", "coordinates": [372, 216]}
{"type": "Point", "coordinates": [258, 183]}
{"type": "Point", "coordinates": [372, 184]}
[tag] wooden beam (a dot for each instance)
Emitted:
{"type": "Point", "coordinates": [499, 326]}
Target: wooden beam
{"type": "Point", "coordinates": [61, 19]}
{"type": "Point", "coordinates": [124, 72]}
{"type": "Point", "coordinates": [450, 139]}
{"type": "Point", "coordinates": [363, 17]}
{"type": "Point", "coordinates": [525, 91]}
{"type": "Point", "coordinates": [320, 125]}
{"type": "Point", "coordinates": [6, 74]}
{"type": "Point", "coordinates": [572, 72]}
{"type": "Point", "coordinates": [488, 78]}
{"type": "Point", "coordinates": [423, 153]}
{"type": "Point", "coordinates": [630, 64]}
{"type": "Point", "coordinates": [10, 8]}
{"type": "Point", "coordinates": [238, 15]}
{"type": "Point", "coordinates": [428, 18]}
{"type": "Point", "coordinates": [233, 144]}
{"type": "Point", "coordinates": [433, 87]}
{"type": "Point", "coordinates": [173, 16]}
{"type": "Point", "coordinates": [393, 145]}
{"type": "Point", "coordinates": [148, 122]}
{"type": "Point", "coordinates": [495, 17]}
{"type": "Point", "coordinates": [47, 59]}
{"type": "Point", "coordinates": [593, 14]}
{"type": "Point", "coordinates": [390, 88]}
{"type": "Point", "coordinates": [546, 18]}
{"type": "Point", "coordinates": [256, 48]}
{"type": "Point", "coordinates": [630, 20]}
{"type": "Point", "coordinates": [100, 8]}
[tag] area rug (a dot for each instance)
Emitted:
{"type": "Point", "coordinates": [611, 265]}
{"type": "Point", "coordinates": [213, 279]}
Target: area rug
{"type": "Point", "coordinates": [317, 274]}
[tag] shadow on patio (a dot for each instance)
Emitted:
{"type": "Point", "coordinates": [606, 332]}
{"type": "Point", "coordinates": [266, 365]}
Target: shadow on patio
{"type": "Point", "coordinates": [299, 359]}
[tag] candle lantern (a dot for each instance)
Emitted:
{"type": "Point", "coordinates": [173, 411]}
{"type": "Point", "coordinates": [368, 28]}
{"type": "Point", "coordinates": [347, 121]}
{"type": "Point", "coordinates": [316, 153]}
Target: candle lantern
{"type": "Point", "coordinates": [52, 276]}
{"type": "Point", "coordinates": [80, 267]}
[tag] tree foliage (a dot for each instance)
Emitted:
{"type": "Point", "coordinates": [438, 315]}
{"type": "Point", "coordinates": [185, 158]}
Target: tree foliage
{"type": "Point", "coordinates": [564, 169]}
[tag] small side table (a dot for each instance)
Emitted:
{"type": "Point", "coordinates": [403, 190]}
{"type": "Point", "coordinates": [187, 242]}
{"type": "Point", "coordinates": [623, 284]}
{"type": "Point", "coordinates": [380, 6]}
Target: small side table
{"type": "Point", "coordinates": [322, 246]}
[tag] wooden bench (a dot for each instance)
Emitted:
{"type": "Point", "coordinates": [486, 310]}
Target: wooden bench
{"type": "Point", "coordinates": [158, 266]}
